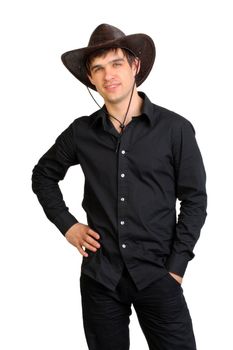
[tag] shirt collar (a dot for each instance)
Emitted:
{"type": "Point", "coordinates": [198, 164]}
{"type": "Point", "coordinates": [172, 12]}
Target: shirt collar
{"type": "Point", "coordinates": [147, 108]}
{"type": "Point", "coordinates": [147, 111]}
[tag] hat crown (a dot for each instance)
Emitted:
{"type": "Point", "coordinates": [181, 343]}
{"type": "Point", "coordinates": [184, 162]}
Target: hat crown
{"type": "Point", "coordinates": [104, 33]}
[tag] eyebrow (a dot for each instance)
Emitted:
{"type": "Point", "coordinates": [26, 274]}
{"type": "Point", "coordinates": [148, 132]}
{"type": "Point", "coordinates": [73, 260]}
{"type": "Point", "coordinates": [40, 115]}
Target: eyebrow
{"type": "Point", "coordinates": [113, 61]}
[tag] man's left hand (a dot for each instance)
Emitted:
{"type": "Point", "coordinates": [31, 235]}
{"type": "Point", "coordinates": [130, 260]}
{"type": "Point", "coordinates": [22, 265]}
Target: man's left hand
{"type": "Point", "coordinates": [178, 278]}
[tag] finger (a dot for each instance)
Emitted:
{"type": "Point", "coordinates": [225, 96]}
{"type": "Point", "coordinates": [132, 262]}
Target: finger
{"type": "Point", "coordinates": [89, 247]}
{"type": "Point", "coordinates": [92, 241]}
{"type": "Point", "coordinates": [93, 233]}
{"type": "Point", "coordinates": [82, 252]}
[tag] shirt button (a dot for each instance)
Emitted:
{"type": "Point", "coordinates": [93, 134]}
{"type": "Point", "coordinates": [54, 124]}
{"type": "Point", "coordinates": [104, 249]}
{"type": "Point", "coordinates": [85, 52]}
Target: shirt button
{"type": "Point", "coordinates": [123, 151]}
{"type": "Point", "coordinates": [123, 246]}
{"type": "Point", "coordinates": [122, 199]}
{"type": "Point", "coordinates": [122, 222]}
{"type": "Point", "coordinates": [122, 175]}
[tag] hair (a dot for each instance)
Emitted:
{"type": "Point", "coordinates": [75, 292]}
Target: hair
{"type": "Point", "coordinates": [130, 56]}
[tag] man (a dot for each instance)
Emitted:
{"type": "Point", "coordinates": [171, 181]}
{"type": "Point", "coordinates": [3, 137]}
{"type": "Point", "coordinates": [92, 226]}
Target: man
{"type": "Point", "coordinates": [138, 159]}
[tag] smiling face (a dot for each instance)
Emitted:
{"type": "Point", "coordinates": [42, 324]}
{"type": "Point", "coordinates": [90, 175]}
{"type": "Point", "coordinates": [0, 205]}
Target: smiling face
{"type": "Point", "coordinates": [113, 76]}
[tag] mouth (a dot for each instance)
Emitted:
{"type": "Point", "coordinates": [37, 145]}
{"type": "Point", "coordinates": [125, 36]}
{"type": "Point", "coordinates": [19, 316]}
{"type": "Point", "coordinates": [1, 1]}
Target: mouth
{"type": "Point", "coordinates": [111, 87]}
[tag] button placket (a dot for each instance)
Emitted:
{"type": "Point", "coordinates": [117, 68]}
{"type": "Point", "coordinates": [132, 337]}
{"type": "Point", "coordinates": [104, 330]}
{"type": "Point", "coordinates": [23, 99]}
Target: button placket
{"type": "Point", "coordinates": [122, 194]}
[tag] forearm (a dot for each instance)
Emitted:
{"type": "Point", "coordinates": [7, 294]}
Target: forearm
{"type": "Point", "coordinates": [188, 228]}
{"type": "Point", "coordinates": [51, 199]}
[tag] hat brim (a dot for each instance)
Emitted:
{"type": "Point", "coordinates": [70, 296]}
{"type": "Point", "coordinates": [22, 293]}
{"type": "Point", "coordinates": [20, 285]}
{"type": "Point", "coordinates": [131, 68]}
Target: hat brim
{"type": "Point", "coordinates": [140, 44]}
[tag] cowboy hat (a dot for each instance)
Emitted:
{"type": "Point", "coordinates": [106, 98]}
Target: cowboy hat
{"type": "Point", "coordinates": [108, 36]}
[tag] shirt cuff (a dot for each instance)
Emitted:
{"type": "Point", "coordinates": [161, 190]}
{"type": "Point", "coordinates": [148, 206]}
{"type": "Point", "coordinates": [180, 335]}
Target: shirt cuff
{"type": "Point", "coordinates": [64, 221]}
{"type": "Point", "coordinates": [177, 264]}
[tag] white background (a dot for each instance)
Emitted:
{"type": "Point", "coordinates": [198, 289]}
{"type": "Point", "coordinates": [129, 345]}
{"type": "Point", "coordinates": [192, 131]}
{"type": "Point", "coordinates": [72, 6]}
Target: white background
{"type": "Point", "coordinates": [39, 271]}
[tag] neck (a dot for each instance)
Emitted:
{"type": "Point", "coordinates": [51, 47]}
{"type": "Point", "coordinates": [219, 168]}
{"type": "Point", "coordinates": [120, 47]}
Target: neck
{"type": "Point", "coordinates": [119, 110]}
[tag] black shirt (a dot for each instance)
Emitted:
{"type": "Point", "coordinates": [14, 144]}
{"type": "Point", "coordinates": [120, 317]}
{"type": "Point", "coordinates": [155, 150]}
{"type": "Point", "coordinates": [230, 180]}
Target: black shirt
{"type": "Point", "coordinates": [132, 183]}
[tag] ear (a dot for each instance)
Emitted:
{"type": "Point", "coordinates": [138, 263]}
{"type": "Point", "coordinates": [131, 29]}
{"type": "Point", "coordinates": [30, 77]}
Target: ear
{"type": "Point", "coordinates": [137, 65]}
{"type": "Point", "coordinates": [90, 78]}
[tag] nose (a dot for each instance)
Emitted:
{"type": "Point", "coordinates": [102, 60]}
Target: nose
{"type": "Point", "coordinates": [108, 74]}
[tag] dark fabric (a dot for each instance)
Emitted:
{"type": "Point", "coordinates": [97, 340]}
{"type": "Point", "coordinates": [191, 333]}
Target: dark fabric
{"type": "Point", "coordinates": [132, 182]}
{"type": "Point", "coordinates": [160, 307]}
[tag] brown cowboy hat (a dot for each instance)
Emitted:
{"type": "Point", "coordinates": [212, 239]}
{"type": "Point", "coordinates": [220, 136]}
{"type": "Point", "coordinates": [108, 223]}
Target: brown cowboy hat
{"type": "Point", "coordinates": [108, 36]}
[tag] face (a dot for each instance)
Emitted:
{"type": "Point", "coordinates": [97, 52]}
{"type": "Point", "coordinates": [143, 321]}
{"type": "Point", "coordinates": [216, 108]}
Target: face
{"type": "Point", "coordinates": [112, 76]}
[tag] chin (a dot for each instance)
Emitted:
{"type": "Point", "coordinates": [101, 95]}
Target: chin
{"type": "Point", "coordinates": [114, 99]}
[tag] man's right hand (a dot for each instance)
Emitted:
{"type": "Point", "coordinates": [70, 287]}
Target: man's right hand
{"type": "Point", "coordinates": [83, 237]}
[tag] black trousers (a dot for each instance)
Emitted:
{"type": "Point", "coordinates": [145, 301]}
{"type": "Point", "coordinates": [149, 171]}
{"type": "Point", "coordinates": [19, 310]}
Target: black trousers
{"type": "Point", "coordinates": [161, 310]}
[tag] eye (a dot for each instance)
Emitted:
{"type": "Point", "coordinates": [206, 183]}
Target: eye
{"type": "Point", "coordinates": [117, 64]}
{"type": "Point", "coordinates": [97, 69]}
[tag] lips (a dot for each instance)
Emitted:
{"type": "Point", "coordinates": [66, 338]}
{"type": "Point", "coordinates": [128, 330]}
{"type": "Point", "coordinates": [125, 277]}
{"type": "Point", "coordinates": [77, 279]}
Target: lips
{"type": "Point", "coordinates": [112, 86]}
